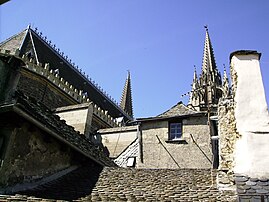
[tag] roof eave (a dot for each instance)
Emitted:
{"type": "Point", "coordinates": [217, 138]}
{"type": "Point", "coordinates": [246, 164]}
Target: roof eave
{"type": "Point", "coordinates": [170, 117]}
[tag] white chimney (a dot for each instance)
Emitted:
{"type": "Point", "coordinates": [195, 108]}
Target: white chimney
{"type": "Point", "coordinates": [251, 115]}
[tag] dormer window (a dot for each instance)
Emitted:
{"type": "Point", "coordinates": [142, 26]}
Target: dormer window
{"type": "Point", "coordinates": [175, 130]}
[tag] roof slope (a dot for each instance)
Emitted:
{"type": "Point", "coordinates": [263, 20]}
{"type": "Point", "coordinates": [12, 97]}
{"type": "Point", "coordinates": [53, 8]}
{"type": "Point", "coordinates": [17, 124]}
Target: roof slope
{"type": "Point", "coordinates": [76, 184]}
{"type": "Point", "coordinates": [36, 46]}
{"type": "Point", "coordinates": [249, 188]}
{"type": "Point", "coordinates": [125, 184]}
{"type": "Point", "coordinates": [14, 42]}
{"type": "Point", "coordinates": [157, 185]}
{"type": "Point", "coordinates": [178, 110]}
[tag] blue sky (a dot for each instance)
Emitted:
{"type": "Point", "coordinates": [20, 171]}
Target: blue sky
{"type": "Point", "coordinates": [159, 41]}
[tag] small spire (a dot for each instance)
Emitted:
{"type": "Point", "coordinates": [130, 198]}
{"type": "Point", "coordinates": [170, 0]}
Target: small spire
{"type": "Point", "coordinates": [194, 74]}
{"type": "Point", "coordinates": [195, 86]}
{"type": "Point", "coordinates": [206, 28]}
{"type": "Point", "coordinates": [224, 72]}
{"type": "Point", "coordinates": [225, 86]}
{"type": "Point", "coordinates": [126, 102]}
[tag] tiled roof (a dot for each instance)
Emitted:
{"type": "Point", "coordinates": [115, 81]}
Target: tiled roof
{"type": "Point", "coordinates": [76, 184]}
{"type": "Point", "coordinates": [119, 184]}
{"type": "Point", "coordinates": [126, 184]}
{"type": "Point", "coordinates": [249, 188]}
{"type": "Point", "coordinates": [178, 110]}
{"type": "Point", "coordinates": [59, 128]}
{"type": "Point", "coordinates": [13, 42]}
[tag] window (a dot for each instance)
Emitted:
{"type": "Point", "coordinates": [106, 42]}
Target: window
{"type": "Point", "coordinates": [175, 130]}
{"type": "Point", "coordinates": [131, 162]}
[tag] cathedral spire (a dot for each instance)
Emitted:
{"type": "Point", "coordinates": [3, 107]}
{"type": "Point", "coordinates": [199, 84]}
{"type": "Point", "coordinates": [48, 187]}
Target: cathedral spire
{"type": "Point", "coordinates": [207, 89]}
{"type": "Point", "coordinates": [209, 64]}
{"type": "Point", "coordinates": [126, 102]}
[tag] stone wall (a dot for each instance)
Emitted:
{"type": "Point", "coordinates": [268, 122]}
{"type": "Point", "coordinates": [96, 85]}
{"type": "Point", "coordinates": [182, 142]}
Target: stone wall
{"type": "Point", "coordinates": [37, 87]}
{"type": "Point", "coordinates": [116, 140]}
{"type": "Point", "coordinates": [194, 151]}
{"type": "Point", "coordinates": [30, 154]}
{"type": "Point", "coordinates": [79, 116]}
{"type": "Point", "coordinates": [228, 136]}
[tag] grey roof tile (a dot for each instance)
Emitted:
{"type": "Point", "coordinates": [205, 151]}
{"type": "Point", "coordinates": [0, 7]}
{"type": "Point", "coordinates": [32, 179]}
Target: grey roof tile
{"type": "Point", "coordinates": [253, 188]}
{"type": "Point", "coordinates": [178, 110]}
{"type": "Point", "coordinates": [262, 191]}
{"type": "Point", "coordinates": [122, 184]}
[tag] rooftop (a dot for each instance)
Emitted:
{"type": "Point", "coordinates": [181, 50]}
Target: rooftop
{"type": "Point", "coordinates": [127, 184]}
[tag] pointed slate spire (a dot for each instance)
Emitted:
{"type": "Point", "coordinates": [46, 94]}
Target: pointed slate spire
{"type": "Point", "coordinates": [208, 58]}
{"type": "Point", "coordinates": [126, 98]}
{"type": "Point", "coordinates": [210, 72]}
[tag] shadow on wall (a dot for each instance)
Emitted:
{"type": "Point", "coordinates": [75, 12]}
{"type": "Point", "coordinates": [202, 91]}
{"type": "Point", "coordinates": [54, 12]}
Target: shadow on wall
{"type": "Point", "coordinates": [97, 139]}
{"type": "Point", "coordinates": [76, 184]}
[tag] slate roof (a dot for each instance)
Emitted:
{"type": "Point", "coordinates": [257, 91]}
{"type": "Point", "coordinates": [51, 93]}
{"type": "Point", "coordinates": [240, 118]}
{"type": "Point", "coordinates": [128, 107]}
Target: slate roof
{"type": "Point", "coordinates": [14, 42]}
{"type": "Point", "coordinates": [179, 110]}
{"type": "Point", "coordinates": [128, 184]}
{"type": "Point", "coordinates": [46, 52]}
{"type": "Point", "coordinates": [56, 127]}
{"type": "Point", "coordinates": [249, 188]}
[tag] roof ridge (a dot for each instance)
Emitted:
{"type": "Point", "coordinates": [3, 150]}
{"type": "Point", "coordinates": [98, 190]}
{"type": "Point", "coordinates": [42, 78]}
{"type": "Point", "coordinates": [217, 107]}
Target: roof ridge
{"type": "Point", "coordinates": [180, 102]}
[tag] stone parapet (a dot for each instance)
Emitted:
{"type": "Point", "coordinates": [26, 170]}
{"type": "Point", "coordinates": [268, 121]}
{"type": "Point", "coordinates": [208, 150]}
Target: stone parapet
{"type": "Point", "coordinates": [52, 75]}
{"type": "Point", "coordinates": [102, 114]}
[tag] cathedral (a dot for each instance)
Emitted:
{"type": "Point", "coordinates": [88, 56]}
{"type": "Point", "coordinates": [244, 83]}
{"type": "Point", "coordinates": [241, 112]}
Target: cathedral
{"type": "Point", "coordinates": [62, 137]}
